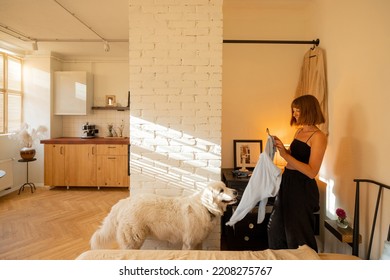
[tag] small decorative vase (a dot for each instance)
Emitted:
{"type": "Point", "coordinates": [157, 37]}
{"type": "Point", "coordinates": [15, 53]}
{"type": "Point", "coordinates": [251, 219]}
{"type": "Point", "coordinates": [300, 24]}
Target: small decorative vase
{"type": "Point", "coordinates": [27, 153]}
{"type": "Point", "coordinates": [110, 128]}
{"type": "Point", "coordinates": [342, 223]}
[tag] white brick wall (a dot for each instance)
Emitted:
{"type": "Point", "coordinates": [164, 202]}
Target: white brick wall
{"type": "Point", "coordinates": [175, 59]}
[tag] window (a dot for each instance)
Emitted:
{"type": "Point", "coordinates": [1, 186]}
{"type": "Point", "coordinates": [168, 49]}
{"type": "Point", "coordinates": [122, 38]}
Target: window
{"type": "Point", "coordinates": [10, 93]}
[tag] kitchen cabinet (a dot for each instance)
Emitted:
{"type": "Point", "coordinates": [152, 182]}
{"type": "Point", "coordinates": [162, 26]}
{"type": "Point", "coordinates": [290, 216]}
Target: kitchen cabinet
{"type": "Point", "coordinates": [54, 165]}
{"type": "Point", "coordinates": [80, 165]}
{"type": "Point", "coordinates": [112, 165]}
{"type": "Point", "coordinates": [70, 165]}
{"type": "Point", "coordinates": [73, 92]}
{"type": "Point", "coordinates": [76, 162]}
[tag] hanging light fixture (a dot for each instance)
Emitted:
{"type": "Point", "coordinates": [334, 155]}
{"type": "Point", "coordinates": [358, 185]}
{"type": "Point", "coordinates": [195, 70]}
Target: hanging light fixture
{"type": "Point", "coordinates": [106, 46]}
{"type": "Point", "coordinates": [35, 45]}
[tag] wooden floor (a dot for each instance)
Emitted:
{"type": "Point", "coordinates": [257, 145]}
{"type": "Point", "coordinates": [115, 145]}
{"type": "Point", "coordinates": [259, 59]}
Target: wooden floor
{"type": "Point", "coordinates": [52, 224]}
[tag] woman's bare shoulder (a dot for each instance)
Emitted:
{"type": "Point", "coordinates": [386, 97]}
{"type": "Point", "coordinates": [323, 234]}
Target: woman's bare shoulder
{"type": "Point", "coordinates": [319, 138]}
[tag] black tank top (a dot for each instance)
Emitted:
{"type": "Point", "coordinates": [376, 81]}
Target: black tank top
{"type": "Point", "coordinates": [301, 150]}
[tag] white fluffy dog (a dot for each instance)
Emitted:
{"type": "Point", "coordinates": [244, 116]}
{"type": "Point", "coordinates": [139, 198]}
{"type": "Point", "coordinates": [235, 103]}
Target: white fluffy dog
{"type": "Point", "coordinates": [186, 220]}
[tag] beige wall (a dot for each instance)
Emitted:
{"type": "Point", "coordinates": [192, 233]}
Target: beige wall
{"type": "Point", "coordinates": [355, 36]}
{"type": "Point", "coordinates": [36, 108]}
{"type": "Point", "coordinates": [259, 80]}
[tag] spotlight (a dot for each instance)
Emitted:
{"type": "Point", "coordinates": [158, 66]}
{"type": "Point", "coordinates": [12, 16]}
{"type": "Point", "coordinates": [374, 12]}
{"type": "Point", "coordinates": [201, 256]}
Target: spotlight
{"type": "Point", "coordinates": [35, 45]}
{"type": "Point", "coordinates": [106, 46]}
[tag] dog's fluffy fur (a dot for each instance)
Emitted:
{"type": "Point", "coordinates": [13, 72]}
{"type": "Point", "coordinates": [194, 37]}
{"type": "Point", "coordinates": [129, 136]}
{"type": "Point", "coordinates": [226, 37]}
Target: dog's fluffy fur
{"type": "Point", "coordinates": [186, 220]}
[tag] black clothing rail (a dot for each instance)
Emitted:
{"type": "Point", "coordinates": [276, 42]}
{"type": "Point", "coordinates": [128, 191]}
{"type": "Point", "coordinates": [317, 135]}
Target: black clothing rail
{"type": "Point", "coordinates": [355, 237]}
{"type": "Point", "coordinates": [313, 42]}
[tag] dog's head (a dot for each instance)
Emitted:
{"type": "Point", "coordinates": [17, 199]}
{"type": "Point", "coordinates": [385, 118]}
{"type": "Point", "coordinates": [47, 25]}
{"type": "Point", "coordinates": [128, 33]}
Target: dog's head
{"type": "Point", "coordinates": [216, 197]}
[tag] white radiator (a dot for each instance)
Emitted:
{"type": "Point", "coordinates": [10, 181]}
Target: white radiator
{"type": "Point", "coordinates": [7, 181]}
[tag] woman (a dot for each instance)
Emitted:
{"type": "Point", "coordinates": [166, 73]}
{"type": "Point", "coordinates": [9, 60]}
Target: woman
{"type": "Point", "coordinates": [292, 220]}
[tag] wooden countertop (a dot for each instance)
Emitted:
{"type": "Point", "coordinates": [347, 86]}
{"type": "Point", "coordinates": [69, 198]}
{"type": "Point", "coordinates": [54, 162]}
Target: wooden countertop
{"type": "Point", "coordinates": [96, 140]}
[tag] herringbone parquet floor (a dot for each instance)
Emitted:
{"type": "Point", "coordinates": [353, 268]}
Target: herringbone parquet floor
{"type": "Point", "coordinates": [52, 224]}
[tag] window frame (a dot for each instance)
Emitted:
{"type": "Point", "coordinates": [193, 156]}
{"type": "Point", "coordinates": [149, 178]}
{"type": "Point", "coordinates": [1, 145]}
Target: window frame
{"type": "Point", "coordinates": [10, 92]}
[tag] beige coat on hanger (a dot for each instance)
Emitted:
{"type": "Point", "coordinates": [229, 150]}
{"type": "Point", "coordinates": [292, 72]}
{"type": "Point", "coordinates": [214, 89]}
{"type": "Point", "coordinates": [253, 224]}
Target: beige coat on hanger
{"type": "Point", "coordinates": [312, 81]}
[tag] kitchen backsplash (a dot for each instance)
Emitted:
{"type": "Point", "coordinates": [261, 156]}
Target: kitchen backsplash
{"type": "Point", "coordinates": [72, 125]}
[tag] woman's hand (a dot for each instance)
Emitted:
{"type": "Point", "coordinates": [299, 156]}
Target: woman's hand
{"type": "Point", "coordinates": [280, 146]}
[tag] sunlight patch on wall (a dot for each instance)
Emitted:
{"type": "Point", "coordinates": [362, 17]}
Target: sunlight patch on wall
{"type": "Point", "coordinates": [330, 197]}
{"type": "Point", "coordinates": [40, 78]}
{"type": "Point", "coordinates": [176, 158]}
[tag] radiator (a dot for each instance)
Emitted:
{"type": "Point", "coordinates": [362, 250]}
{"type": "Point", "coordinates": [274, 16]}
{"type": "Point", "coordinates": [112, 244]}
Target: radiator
{"type": "Point", "coordinates": [7, 181]}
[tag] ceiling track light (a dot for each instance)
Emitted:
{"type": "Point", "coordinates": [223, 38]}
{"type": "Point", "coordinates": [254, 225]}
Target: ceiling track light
{"type": "Point", "coordinates": [15, 33]}
{"type": "Point", "coordinates": [19, 35]}
{"type": "Point", "coordinates": [48, 40]}
{"type": "Point", "coordinates": [106, 45]}
{"type": "Point", "coordinates": [35, 45]}
{"type": "Point", "coordinates": [34, 41]}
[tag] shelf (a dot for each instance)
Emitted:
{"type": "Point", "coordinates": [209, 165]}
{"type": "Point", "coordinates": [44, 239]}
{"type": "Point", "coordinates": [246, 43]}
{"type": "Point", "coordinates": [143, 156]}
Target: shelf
{"type": "Point", "coordinates": [115, 108]}
{"type": "Point", "coordinates": [342, 234]}
{"type": "Point", "coordinates": [110, 108]}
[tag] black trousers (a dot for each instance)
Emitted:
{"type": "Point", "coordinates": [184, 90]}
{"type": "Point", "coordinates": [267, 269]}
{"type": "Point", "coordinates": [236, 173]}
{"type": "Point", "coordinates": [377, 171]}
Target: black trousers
{"type": "Point", "coordinates": [292, 219]}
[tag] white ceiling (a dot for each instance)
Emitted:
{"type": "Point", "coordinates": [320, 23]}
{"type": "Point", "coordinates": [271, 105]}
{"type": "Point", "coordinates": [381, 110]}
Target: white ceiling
{"type": "Point", "coordinates": [46, 20]}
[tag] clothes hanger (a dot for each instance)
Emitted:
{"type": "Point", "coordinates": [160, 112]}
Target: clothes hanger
{"type": "Point", "coordinates": [272, 140]}
{"type": "Point", "coordinates": [312, 49]}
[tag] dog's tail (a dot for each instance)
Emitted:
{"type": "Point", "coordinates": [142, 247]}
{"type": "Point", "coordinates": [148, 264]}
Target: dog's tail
{"type": "Point", "coordinates": [105, 235]}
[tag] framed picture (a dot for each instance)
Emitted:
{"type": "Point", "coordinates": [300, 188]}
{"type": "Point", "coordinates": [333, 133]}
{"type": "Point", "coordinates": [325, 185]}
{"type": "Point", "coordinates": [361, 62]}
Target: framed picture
{"type": "Point", "coordinates": [247, 153]}
{"type": "Point", "coordinates": [110, 100]}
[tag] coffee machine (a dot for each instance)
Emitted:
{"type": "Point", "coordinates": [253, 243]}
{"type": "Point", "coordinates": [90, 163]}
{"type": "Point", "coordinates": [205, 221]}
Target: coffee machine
{"type": "Point", "coordinates": [89, 131]}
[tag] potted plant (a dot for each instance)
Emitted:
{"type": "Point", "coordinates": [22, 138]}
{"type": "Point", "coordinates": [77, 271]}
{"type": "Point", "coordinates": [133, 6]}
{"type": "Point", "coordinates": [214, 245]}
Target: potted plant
{"type": "Point", "coordinates": [341, 218]}
{"type": "Point", "coordinates": [27, 137]}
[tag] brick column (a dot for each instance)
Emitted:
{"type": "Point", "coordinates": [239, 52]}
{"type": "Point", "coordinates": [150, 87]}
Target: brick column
{"type": "Point", "coordinates": [175, 60]}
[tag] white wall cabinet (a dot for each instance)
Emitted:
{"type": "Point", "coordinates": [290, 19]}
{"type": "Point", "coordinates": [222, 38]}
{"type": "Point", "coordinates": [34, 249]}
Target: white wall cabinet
{"type": "Point", "coordinates": [73, 92]}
